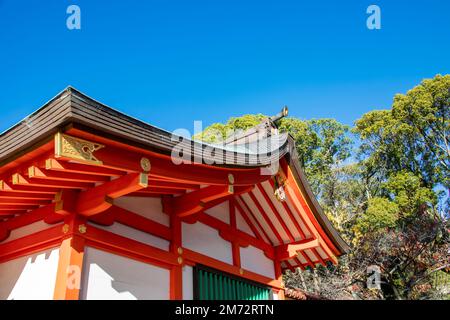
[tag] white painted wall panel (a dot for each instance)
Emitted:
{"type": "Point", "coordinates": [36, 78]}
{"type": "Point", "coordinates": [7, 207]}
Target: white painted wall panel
{"type": "Point", "coordinates": [188, 283]}
{"type": "Point", "coordinates": [136, 235]}
{"type": "Point", "coordinates": [221, 212]}
{"type": "Point", "coordinates": [242, 225]}
{"type": "Point", "coordinates": [254, 260]}
{"type": "Point", "coordinates": [111, 277]}
{"type": "Point", "coordinates": [31, 277]}
{"type": "Point", "coordinates": [203, 239]}
{"type": "Point", "coordinates": [253, 221]}
{"type": "Point", "coordinates": [150, 208]}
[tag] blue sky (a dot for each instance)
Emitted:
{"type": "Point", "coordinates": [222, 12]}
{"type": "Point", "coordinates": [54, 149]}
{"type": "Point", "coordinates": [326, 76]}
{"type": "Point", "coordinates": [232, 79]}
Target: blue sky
{"type": "Point", "coordinates": [170, 62]}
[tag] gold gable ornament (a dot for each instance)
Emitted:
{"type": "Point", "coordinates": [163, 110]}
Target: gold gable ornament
{"type": "Point", "coordinates": [76, 149]}
{"type": "Point", "coordinates": [279, 192]}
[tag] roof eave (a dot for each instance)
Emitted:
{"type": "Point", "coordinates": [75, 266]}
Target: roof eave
{"type": "Point", "coordinates": [300, 177]}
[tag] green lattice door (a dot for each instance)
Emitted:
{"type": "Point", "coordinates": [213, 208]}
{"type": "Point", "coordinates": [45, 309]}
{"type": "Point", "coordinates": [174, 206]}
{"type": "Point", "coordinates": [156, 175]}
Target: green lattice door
{"type": "Point", "coordinates": [210, 284]}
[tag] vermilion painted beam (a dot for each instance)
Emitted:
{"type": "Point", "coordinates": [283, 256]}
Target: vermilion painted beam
{"type": "Point", "coordinates": [295, 191]}
{"type": "Point", "coordinates": [32, 243]}
{"type": "Point", "coordinates": [265, 217]}
{"type": "Point", "coordinates": [222, 266]}
{"type": "Point", "coordinates": [194, 217]}
{"type": "Point", "coordinates": [129, 247]}
{"type": "Point", "coordinates": [276, 213]}
{"type": "Point", "coordinates": [8, 187]}
{"type": "Point", "coordinates": [194, 202]}
{"type": "Point", "coordinates": [5, 207]}
{"type": "Point", "coordinates": [163, 166]}
{"type": "Point", "coordinates": [65, 201]}
{"type": "Point", "coordinates": [297, 225]}
{"type": "Point", "coordinates": [138, 222]}
{"type": "Point", "coordinates": [155, 194]}
{"type": "Point", "coordinates": [161, 190]}
{"type": "Point", "coordinates": [23, 202]}
{"type": "Point", "coordinates": [319, 258]}
{"type": "Point", "coordinates": [30, 217]}
{"type": "Point", "coordinates": [35, 172]}
{"type": "Point", "coordinates": [6, 218]}
{"type": "Point", "coordinates": [104, 219]}
{"type": "Point", "coordinates": [152, 183]}
{"type": "Point", "coordinates": [288, 267]}
{"type": "Point", "coordinates": [98, 199]}
{"type": "Point", "coordinates": [247, 220]}
{"type": "Point", "coordinates": [299, 264]}
{"type": "Point", "coordinates": [291, 216]}
{"type": "Point", "coordinates": [63, 166]}
{"type": "Point", "coordinates": [9, 213]}
{"type": "Point", "coordinates": [319, 233]}
{"type": "Point", "coordinates": [307, 258]}
{"type": "Point", "coordinates": [4, 232]}
{"type": "Point", "coordinates": [18, 179]}
{"type": "Point", "coordinates": [255, 219]}
{"type": "Point", "coordinates": [289, 251]}
{"type": "Point", "coordinates": [26, 196]}
{"type": "Point", "coordinates": [234, 235]}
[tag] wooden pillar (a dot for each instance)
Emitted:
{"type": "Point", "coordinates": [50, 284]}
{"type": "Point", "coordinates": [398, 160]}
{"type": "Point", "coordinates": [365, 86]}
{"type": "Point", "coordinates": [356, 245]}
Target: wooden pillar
{"type": "Point", "coordinates": [176, 272]}
{"type": "Point", "coordinates": [279, 277]}
{"type": "Point", "coordinates": [234, 244]}
{"type": "Point", "coordinates": [71, 254]}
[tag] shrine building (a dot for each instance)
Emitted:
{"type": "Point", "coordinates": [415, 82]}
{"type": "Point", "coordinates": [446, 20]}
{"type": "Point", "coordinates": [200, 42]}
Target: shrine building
{"type": "Point", "coordinates": [94, 205]}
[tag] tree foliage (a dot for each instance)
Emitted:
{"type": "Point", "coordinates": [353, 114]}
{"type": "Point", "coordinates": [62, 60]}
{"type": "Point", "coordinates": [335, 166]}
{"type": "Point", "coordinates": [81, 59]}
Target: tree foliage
{"type": "Point", "coordinates": [383, 184]}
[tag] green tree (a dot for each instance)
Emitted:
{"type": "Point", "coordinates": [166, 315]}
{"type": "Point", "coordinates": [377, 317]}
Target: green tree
{"type": "Point", "coordinates": [382, 196]}
{"type": "Point", "coordinates": [414, 135]}
{"type": "Point", "coordinates": [219, 132]}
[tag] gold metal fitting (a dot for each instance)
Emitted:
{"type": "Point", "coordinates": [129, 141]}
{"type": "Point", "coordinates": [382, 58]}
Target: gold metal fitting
{"type": "Point", "coordinates": [82, 228]}
{"type": "Point", "coordinates": [180, 250]}
{"type": "Point", "coordinates": [241, 271]}
{"type": "Point", "coordinates": [76, 148]}
{"type": "Point", "coordinates": [180, 260]}
{"type": "Point", "coordinates": [230, 178]}
{"type": "Point", "coordinates": [65, 228]}
{"type": "Point", "coordinates": [146, 164]}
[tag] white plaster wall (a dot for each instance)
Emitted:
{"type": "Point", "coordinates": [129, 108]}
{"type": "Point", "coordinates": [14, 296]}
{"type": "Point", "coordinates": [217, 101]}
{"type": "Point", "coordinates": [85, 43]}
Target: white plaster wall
{"type": "Point", "coordinates": [136, 235]}
{"type": "Point", "coordinates": [31, 277]}
{"type": "Point", "coordinates": [254, 260]}
{"type": "Point", "coordinates": [111, 277]}
{"type": "Point", "coordinates": [242, 225]}
{"type": "Point", "coordinates": [221, 212]}
{"type": "Point", "coordinates": [188, 283]}
{"type": "Point", "coordinates": [150, 208]}
{"type": "Point", "coordinates": [203, 239]}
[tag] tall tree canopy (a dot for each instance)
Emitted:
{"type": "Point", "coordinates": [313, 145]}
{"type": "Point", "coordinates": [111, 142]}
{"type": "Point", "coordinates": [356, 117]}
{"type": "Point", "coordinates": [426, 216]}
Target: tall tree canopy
{"type": "Point", "coordinates": [383, 184]}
